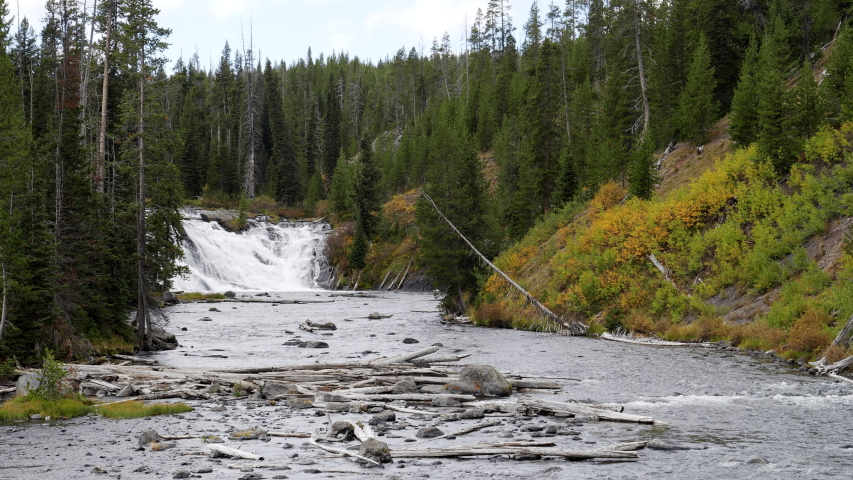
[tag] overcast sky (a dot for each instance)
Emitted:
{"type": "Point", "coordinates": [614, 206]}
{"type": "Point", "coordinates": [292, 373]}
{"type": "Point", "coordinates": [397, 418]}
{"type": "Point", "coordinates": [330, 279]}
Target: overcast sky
{"type": "Point", "coordinates": [284, 29]}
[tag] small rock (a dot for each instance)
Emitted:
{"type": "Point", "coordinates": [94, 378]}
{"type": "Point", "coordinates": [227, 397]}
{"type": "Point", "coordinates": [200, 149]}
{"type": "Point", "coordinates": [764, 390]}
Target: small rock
{"type": "Point", "coordinates": [183, 329]}
{"type": "Point", "coordinates": [410, 341]}
{"type": "Point", "coordinates": [213, 309]}
{"type": "Point", "coordinates": [445, 402]}
{"type": "Point", "coordinates": [344, 428]}
{"type": "Point", "coordinates": [205, 319]}
{"type": "Point", "coordinates": [250, 434]}
{"type": "Point", "coordinates": [212, 388]}
{"type": "Point", "coordinates": [299, 403]}
{"type": "Point", "coordinates": [433, 389]}
{"type": "Point", "coordinates": [329, 397]}
{"type": "Point", "coordinates": [313, 345]}
{"type": "Point", "coordinates": [429, 432]}
{"type": "Point", "coordinates": [292, 343]}
{"type": "Point", "coordinates": [35, 416]}
{"type": "Point", "coordinates": [406, 385]}
{"type": "Point", "coordinates": [374, 316]}
{"type": "Point", "coordinates": [99, 470]}
{"type": "Point", "coordinates": [474, 414]}
{"type": "Point", "coordinates": [204, 470]}
{"type": "Point", "coordinates": [181, 474]}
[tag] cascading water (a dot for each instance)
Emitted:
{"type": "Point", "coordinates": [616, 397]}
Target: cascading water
{"type": "Point", "coordinates": [283, 257]}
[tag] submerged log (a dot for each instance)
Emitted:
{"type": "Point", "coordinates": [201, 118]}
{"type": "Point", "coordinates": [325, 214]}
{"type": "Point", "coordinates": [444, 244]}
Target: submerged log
{"type": "Point", "coordinates": [475, 450]}
{"type": "Point", "coordinates": [406, 357]}
{"type": "Point", "coordinates": [535, 405]}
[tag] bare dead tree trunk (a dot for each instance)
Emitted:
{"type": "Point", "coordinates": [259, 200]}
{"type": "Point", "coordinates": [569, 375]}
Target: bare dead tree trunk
{"type": "Point", "coordinates": [251, 133]}
{"type": "Point", "coordinates": [100, 172]}
{"type": "Point", "coordinates": [642, 72]}
{"type": "Point", "coordinates": [142, 318]}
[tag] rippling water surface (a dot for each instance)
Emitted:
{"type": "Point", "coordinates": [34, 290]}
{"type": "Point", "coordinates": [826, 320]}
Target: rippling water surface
{"type": "Point", "coordinates": [747, 411]}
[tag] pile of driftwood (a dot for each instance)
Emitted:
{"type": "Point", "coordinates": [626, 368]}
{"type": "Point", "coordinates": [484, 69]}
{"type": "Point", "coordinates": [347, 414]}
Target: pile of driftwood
{"type": "Point", "coordinates": [423, 383]}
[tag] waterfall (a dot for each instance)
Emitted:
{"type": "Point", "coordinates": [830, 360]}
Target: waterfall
{"type": "Point", "coordinates": [283, 257]}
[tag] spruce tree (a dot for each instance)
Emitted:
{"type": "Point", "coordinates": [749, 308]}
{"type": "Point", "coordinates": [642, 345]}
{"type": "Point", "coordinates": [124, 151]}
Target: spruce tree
{"type": "Point", "coordinates": [743, 118]}
{"type": "Point", "coordinates": [642, 172]}
{"type": "Point", "coordinates": [366, 191]}
{"type": "Point", "coordinates": [774, 138]}
{"type": "Point", "coordinates": [697, 108]}
{"type": "Point", "coordinates": [807, 104]}
{"type": "Point", "coordinates": [838, 84]}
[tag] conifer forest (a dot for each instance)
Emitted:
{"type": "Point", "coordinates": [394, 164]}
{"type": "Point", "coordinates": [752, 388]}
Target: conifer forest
{"type": "Point", "coordinates": [539, 116]}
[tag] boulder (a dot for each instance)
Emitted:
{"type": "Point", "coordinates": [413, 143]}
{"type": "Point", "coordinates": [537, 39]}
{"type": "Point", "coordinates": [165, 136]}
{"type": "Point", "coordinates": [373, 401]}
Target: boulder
{"type": "Point", "coordinates": [375, 450]}
{"type": "Point", "coordinates": [219, 216]}
{"type": "Point", "coordinates": [230, 294]}
{"type": "Point", "coordinates": [27, 382]}
{"type": "Point", "coordinates": [170, 298]}
{"type": "Point", "coordinates": [374, 316]}
{"type": "Point", "coordinates": [250, 434]}
{"type": "Point", "coordinates": [410, 341]}
{"type": "Point", "coordinates": [126, 391]}
{"type": "Point", "coordinates": [273, 390]}
{"type": "Point", "coordinates": [386, 416]}
{"type": "Point", "coordinates": [344, 428]}
{"type": "Point", "coordinates": [321, 326]}
{"type": "Point", "coordinates": [313, 345]}
{"type": "Point", "coordinates": [330, 397]}
{"type": "Point", "coordinates": [149, 436]}
{"type": "Point", "coordinates": [480, 380]}
{"type": "Point", "coordinates": [406, 385]}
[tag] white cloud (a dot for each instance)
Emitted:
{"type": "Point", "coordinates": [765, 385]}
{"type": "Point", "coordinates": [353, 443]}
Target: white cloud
{"type": "Point", "coordinates": [429, 17]}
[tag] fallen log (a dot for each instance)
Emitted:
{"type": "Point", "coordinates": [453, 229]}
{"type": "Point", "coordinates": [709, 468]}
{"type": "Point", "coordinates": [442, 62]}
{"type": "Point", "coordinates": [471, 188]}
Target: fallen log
{"type": "Point", "coordinates": [4, 391]}
{"type": "Point", "coordinates": [653, 342]}
{"type": "Point", "coordinates": [537, 384]}
{"type": "Point", "coordinates": [474, 450]}
{"type": "Point", "coordinates": [289, 434]}
{"type": "Point", "coordinates": [410, 397]}
{"type": "Point", "coordinates": [534, 405]}
{"type": "Point", "coordinates": [133, 359]}
{"type": "Point", "coordinates": [406, 357]}
{"type": "Point", "coordinates": [233, 452]}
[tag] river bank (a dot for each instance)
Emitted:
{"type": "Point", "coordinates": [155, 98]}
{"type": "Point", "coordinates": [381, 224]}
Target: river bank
{"type": "Point", "coordinates": [756, 417]}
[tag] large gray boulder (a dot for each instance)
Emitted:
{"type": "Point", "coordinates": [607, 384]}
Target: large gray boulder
{"type": "Point", "coordinates": [27, 382]}
{"type": "Point", "coordinates": [481, 380]}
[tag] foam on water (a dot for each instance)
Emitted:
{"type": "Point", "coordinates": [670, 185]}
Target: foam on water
{"type": "Point", "coordinates": [285, 257]}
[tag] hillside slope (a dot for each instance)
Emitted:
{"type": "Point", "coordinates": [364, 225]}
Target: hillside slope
{"type": "Point", "coordinates": [763, 263]}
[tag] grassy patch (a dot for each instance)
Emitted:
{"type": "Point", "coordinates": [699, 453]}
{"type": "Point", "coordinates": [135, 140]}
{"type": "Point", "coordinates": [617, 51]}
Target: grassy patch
{"type": "Point", "coordinates": [21, 408]}
{"type": "Point", "coordinates": [70, 407]}
{"type": "Point", "coordinates": [138, 409]}
{"type": "Point", "coordinates": [196, 296]}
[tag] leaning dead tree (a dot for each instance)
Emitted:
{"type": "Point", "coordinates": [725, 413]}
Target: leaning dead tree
{"type": "Point", "coordinates": [572, 327]}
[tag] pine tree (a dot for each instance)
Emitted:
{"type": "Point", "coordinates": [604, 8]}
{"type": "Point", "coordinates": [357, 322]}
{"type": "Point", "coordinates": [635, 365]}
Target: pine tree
{"type": "Point", "coordinates": [455, 182]}
{"type": "Point", "coordinates": [774, 138]}
{"type": "Point", "coordinates": [568, 181]}
{"type": "Point", "coordinates": [744, 113]}
{"type": "Point", "coordinates": [697, 107]}
{"type": "Point", "coordinates": [366, 191]}
{"type": "Point", "coordinates": [838, 84]}
{"type": "Point", "coordinates": [642, 173]}
{"type": "Point", "coordinates": [807, 104]}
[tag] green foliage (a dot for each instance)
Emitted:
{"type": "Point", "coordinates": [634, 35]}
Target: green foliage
{"type": "Point", "coordinates": [697, 107]}
{"type": "Point", "coordinates": [7, 367]}
{"type": "Point", "coordinates": [744, 112]}
{"type": "Point", "coordinates": [642, 174]}
{"type": "Point", "coordinates": [358, 252]}
{"type": "Point", "coordinates": [52, 380]}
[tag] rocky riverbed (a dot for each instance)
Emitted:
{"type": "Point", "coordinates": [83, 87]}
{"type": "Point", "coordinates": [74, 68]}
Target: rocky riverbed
{"type": "Point", "coordinates": [739, 416]}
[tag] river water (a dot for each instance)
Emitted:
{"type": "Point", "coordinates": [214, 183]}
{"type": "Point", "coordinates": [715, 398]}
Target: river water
{"type": "Point", "coordinates": [757, 418]}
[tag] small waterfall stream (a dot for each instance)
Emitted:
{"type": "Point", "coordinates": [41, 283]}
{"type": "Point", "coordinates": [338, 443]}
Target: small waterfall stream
{"type": "Point", "coordinates": [283, 257]}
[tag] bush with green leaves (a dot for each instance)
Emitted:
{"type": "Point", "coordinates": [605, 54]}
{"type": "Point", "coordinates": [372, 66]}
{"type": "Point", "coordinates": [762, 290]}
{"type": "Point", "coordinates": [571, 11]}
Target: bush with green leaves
{"type": "Point", "coordinates": [52, 377]}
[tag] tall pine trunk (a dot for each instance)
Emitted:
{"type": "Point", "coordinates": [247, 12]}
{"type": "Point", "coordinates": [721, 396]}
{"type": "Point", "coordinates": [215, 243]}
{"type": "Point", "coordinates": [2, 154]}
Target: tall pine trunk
{"type": "Point", "coordinates": [100, 171]}
{"type": "Point", "coordinates": [142, 318]}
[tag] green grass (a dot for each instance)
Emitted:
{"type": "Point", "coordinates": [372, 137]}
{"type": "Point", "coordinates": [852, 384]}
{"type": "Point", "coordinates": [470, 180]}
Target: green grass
{"type": "Point", "coordinates": [138, 409]}
{"type": "Point", "coordinates": [21, 408]}
{"type": "Point", "coordinates": [70, 407]}
{"type": "Point", "coordinates": [196, 296]}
